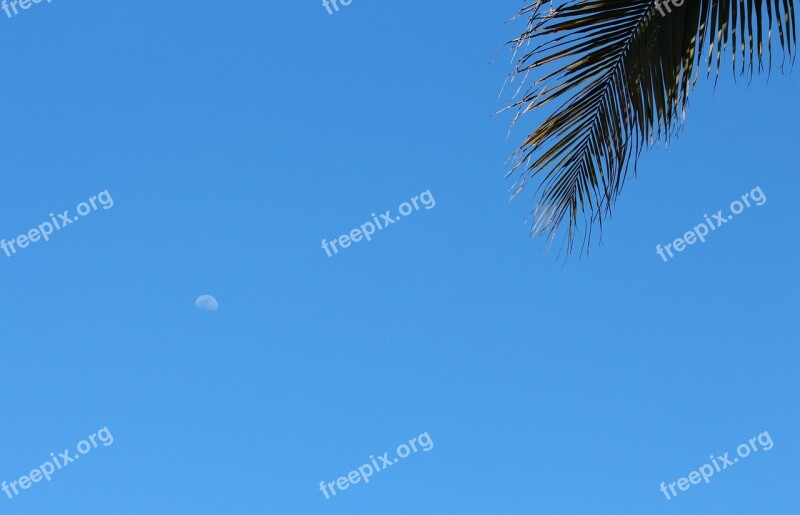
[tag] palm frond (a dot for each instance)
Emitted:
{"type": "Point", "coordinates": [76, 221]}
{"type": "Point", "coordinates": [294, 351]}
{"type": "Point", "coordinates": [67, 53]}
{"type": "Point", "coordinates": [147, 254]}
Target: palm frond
{"type": "Point", "coordinates": [622, 72]}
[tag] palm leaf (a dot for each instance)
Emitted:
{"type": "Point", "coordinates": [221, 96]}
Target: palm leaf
{"type": "Point", "coordinates": [621, 73]}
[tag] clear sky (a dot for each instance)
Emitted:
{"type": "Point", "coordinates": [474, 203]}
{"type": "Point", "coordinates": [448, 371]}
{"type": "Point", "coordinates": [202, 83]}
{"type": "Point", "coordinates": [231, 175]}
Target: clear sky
{"type": "Point", "coordinates": [233, 137]}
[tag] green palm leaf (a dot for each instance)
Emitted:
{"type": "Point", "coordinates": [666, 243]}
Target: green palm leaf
{"type": "Point", "coordinates": [621, 73]}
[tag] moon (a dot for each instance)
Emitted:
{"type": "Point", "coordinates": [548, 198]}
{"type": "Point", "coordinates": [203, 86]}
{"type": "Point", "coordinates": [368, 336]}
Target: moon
{"type": "Point", "coordinates": [206, 303]}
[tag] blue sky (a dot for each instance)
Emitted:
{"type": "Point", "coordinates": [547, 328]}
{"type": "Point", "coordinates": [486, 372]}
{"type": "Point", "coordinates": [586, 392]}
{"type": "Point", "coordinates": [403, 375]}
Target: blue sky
{"type": "Point", "coordinates": [233, 137]}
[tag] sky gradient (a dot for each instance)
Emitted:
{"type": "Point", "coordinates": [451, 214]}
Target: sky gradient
{"type": "Point", "coordinates": [234, 137]}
